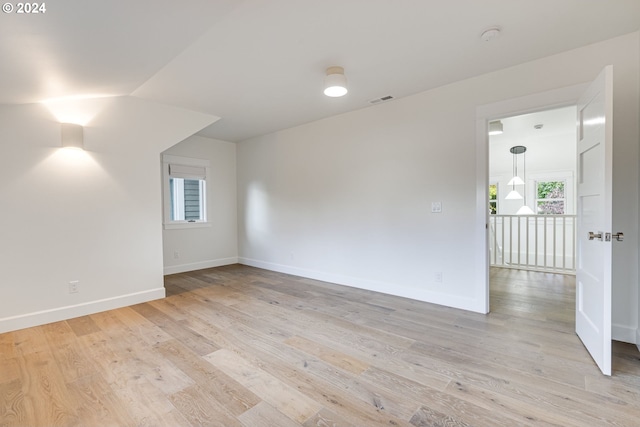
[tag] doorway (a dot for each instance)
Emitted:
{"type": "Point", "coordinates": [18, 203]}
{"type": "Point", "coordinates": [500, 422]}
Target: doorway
{"type": "Point", "coordinates": [554, 99]}
{"type": "Point", "coordinates": [594, 165]}
{"type": "Point", "coordinates": [532, 170]}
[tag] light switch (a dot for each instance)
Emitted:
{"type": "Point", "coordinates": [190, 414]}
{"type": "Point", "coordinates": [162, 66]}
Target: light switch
{"type": "Point", "coordinates": [436, 207]}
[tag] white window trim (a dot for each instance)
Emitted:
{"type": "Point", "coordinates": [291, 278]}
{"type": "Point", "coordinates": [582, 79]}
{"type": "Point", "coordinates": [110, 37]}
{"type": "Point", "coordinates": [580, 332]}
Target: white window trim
{"type": "Point", "coordinates": [168, 159]}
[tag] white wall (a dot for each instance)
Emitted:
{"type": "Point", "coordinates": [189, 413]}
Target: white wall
{"type": "Point", "coordinates": [348, 198]}
{"type": "Point", "coordinates": [216, 245]}
{"type": "Point", "coordinates": [91, 216]}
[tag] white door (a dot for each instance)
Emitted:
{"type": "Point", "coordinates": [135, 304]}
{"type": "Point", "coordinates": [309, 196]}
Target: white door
{"type": "Point", "coordinates": [593, 275]}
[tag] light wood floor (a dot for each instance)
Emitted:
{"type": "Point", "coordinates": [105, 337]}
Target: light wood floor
{"type": "Point", "coordinates": [239, 346]}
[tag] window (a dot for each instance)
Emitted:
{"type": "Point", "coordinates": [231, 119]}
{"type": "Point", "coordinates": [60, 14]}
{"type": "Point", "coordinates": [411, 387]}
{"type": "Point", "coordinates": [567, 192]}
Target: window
{"type": "Point", "coordinates": [185, 183]}
{"type": "Point", "coordinates": [493, 199]}
{"type": "Point", "coordinates": [550, 197]}
{"type": "Point", "coordinates": [187, 199]}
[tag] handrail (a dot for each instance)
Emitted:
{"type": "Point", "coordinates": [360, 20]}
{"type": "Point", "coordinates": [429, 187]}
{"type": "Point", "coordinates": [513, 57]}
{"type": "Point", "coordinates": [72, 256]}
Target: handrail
{"type": "Point", "coordinates": [533, 242]}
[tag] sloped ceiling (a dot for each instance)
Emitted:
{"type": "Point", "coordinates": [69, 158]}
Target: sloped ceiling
{"type": "Point", "coordinates": [259, 64]}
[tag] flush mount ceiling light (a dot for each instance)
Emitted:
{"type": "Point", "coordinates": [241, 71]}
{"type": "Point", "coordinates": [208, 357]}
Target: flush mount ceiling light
{"type": "Point", "coordinates": [495, 128]}
{"type": "Point", "coordinates": [335, 84]}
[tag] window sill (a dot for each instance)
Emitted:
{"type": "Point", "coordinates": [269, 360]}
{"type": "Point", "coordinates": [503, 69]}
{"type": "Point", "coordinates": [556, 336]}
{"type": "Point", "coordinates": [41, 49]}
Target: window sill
{"type": "Point", "coordinates": [182, 225]}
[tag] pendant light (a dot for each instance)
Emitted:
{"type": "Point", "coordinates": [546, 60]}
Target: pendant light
{"type": "Point", "coordinates": [516, 180]}
{"type": "Point", "coordinates": [513, 195]}
{"type": "Point", "coordinates": [525, 210]}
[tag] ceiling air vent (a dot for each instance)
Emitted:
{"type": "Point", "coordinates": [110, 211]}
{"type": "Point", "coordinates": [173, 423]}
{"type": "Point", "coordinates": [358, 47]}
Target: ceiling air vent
{"type": "Point", "coordinates": [383, 99]}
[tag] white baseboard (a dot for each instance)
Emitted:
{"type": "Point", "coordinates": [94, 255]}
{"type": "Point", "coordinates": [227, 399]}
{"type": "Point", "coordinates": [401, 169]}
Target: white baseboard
{"type": "Point", "coordinates": [174, 269]}
{"type": "Point", "coordinates": [371, 285]}
{"type": "Point", "coordinates": [37, 318]}
{"type": "Point", "coordinates": [624, 334]}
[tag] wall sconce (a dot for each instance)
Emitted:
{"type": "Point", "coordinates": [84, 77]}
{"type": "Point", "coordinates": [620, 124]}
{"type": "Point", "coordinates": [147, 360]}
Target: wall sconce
{"type": "Point", "coordinates": [72, 136]}
{"type": "Point", "coordinates": [495, 128]}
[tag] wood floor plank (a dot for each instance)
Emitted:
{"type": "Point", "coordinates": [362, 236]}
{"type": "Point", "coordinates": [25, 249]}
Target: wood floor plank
{"type": "Point", "coordinates": [195, 342]}
{"type": "Point", "coordinates": [12, 408]}
{"type": "Point", "coordinates": [220, 386]}
{"type": "Point", "coordinates": [97, 404]}
{"type": "Point", "coordinates": [427, 417]}
{"type": "Point", "coordinates": [83, 325]}
{"type": "Point", "coordinates": [129, 358]}
{"type": "Point", "coordinates": [105, 361]}
{"type": "Point", "coordinates": [265, 415]}
{"type": "Point", "coordinates": [29, 341]}
{"type": "Point", "coordinates": [8, 345]}
{"type": "Point", "coordinates": [326, 418]}
{"type": "Point", "coordinates": [145, 330]}
{"type": "Point", "coordinates": [286, 399]}
{"type": "Point", "coordinates": [45, 394]}
{"type": "Point", "coordinates": [9, 370]}
{"type": "Point", "coordinates": [72, 361]}
{"type": "Point", "coordinates": [146, 404]}
{"type": "Point", "coordinates": [58, 333]}
{"type": "Point", "coordinates": [512, 407]}
{"type": "Point", "coordinates": [336, 358]}
{"type": "Point", "coordinates": [195, 405]}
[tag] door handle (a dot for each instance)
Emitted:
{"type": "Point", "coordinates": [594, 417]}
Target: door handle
{"type": "Point", "coordinates": [593, 235]}
{"type": "Point", "coordinates": [607, 236]}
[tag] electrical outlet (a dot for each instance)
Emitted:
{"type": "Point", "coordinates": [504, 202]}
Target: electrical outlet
{"type": "Point", "coordinates": [74, 286]}
{"type": "Point", "coordinates": [176, 255]}
{"type": "Point", "coordinates": [437, 277]}
{"type": "Point", "coordinates": [436, 207]}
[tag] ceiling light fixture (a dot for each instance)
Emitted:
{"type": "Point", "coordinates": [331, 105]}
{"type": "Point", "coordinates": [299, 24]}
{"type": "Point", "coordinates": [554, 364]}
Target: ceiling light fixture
{"type": "Point", "coordinates": [495, 128]}
{"type": "Point", "coordinates": [516, 180]}
{"type": "Point", "coordinates": [335, 83]}
{"type": "Point", "coordinates": [525, 210]}
{"type": "Point", "coordinates": [490, 34]}
{"type": "Point", "coordinates": [513, 195]}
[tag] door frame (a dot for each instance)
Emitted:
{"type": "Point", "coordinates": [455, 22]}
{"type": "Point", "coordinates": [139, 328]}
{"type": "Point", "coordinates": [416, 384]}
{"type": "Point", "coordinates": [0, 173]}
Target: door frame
{"type": "Point", "coordinates": [557, 98]}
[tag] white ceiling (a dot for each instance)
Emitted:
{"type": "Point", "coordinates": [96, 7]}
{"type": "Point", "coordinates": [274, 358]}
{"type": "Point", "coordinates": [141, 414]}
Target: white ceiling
{"type": "Point", "coordinates": [556, 138]}
{"type": "Point", "coordinates": [260, 64]}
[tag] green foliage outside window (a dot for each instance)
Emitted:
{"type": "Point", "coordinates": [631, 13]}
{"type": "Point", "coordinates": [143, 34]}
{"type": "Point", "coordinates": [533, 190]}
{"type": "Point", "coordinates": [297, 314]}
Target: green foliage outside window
{"type": "Point", "coordinates": [550, 197]}
{"type": "Point", "coordinates": [493, 199]}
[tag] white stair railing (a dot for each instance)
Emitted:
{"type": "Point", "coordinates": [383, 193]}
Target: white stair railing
{"type": "Point", "coordinates": [533, 242]}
